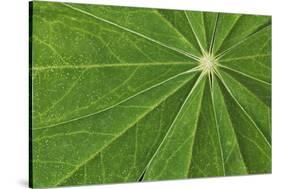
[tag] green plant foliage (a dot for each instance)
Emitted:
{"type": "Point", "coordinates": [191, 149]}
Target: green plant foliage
{"type": "Point", "coordinates": [131, 94]}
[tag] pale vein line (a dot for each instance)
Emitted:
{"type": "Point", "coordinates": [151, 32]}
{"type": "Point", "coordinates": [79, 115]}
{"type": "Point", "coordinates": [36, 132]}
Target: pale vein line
{"type": "Point", "coordinates": [212, 142]}
{"type": "Point", "coordinates": [86, 33]}
{"type": "Point", "coordinates": [200, 170]}
{"type": "Point", "coordinates": [133, 106]}
{"type": "Point", "coordinates": [132, 31]}
{"type": "Point", "coordinates": [265, 43]}
{"type": "Point", "coordinates": [102, 41]}
{"type": "Point", "coordinates": [74, 84]}
{"type": "Point", "coordinates": [210, 81]}
{"type": "Point", "coordinates": [71, 134]}
{"type": "Point", "coordinates": [269, 121]}
{"type": "Point", "coordinates": [194, 134]}
{"type": "Point", "coordinates": [248, 90]}
{"type": "Point", "coordinates": [118, 135]}
{"type": "Point", "coordinates": [240, 42]}
{"type": "Point", "coordinates": [195, 69]}
{"type": "Point", "coordinates": [171, 25]}
{"type": "Point", "coordinates": [244, 74]}
{"type": "Point", "coordinates": [229, 31]}
{"type": "Point", "coordinates": [173, 154]}
{"type": "Point", "coordinates": [139, 49]}
{"type": "Point", "coordinates": [218, 131]}
{"type": "Point", "coordinates": [174, 121]}
{"type": "Point", "coordinates": [157, 136]}
{"type": "Point", "coordinates": [100, 98]}
{"type": "Point", "coordinates": [52, 162]}
{"type": "Point", "coordinates": [204, 29]}
{"type": "Point", "coordinates": [236, 140]}
{"type": "Point", "coordinates": [51, 47]}
{"type": "Point", "coordinates": [85, 174]}
{"type": "Point", "coordinates": [230, 151]}
{"type": "Point", "coordinates": [245, 57]}
{"type": "Point", "coordinates": [136, 145]}
{"type": "Point", "coordinates": [197, 39]}
{"type": "Point", "coordinates": [258, 146]}
{"type": "Point", "coordinates": [213, 35]}
{"type": "Point", "coordinates": [89, 66]}
{"type": "Point", "coordinates": [94, 36]}
{"type": "Point", "coordinates": [110, 92]}
{"type": "Point", "coordinates": [245, 112]}
{"type": "Point", "coordinates": [102, 167]}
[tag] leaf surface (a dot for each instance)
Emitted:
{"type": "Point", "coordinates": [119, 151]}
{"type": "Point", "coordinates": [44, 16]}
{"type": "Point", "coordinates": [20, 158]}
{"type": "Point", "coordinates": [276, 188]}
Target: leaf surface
{"type": "Point", "coordinates": [132, 94]}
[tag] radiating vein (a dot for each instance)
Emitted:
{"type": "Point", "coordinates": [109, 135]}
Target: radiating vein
{"type": "Point", "coordinates": [188, 139]}
{"type": "Point", "coordinates": [197, 39]}
{"type": "Point", "coordinates": [195, 69]}
{"type": "Point", "coordinates": [117, 136]}
{"type": "Point", "coordinates": [243, 110]}
{"type": "Point", "coordinates": [257, 145]}
{"type": "Point", "coordinates": [217, 130]}
{"type": "Point", "coordinates": [229, 31]}
{"type": "Point", "coordinates": [244, 74]}
{"type": "Point", "coordinates": [163, 18]}
{"type": "Point", "coordinates": [226, 114]}
{"type": "Point", "coordinates": [245, 57]}
{"type": "Point", "coordinates": [214, 35]}
{"type": "Point", "coordinates": [194, 134]}
{"type": "Point", "coordinates": [174, 121]}
{"type": "Point", "coordinates": [91, 66]}
{"type": "Point", "coordinates": [240, 42]}
{"type": "Point", "coordinates": [133, 32]}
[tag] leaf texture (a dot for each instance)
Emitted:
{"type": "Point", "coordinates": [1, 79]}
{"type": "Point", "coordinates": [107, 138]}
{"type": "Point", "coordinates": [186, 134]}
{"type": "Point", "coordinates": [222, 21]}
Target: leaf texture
{"type": "Point", "coordinates": [124, 94]}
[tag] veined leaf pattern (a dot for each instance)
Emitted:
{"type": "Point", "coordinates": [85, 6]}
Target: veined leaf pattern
{"type": "Point", "coordinates": [124, 94]}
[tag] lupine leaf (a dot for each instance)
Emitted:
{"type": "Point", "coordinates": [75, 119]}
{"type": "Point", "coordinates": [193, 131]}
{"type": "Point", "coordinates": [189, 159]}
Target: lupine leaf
{"type": "Point", "coordinates": [123, 94]}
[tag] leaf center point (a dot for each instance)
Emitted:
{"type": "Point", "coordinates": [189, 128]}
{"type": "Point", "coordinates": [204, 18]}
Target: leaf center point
{"type": "Point", "coordinates": [208, 63]}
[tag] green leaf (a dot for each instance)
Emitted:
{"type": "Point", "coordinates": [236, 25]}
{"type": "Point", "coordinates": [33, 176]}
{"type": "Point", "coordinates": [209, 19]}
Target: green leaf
{"type": "Point", "coordinates": [124, 94]}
